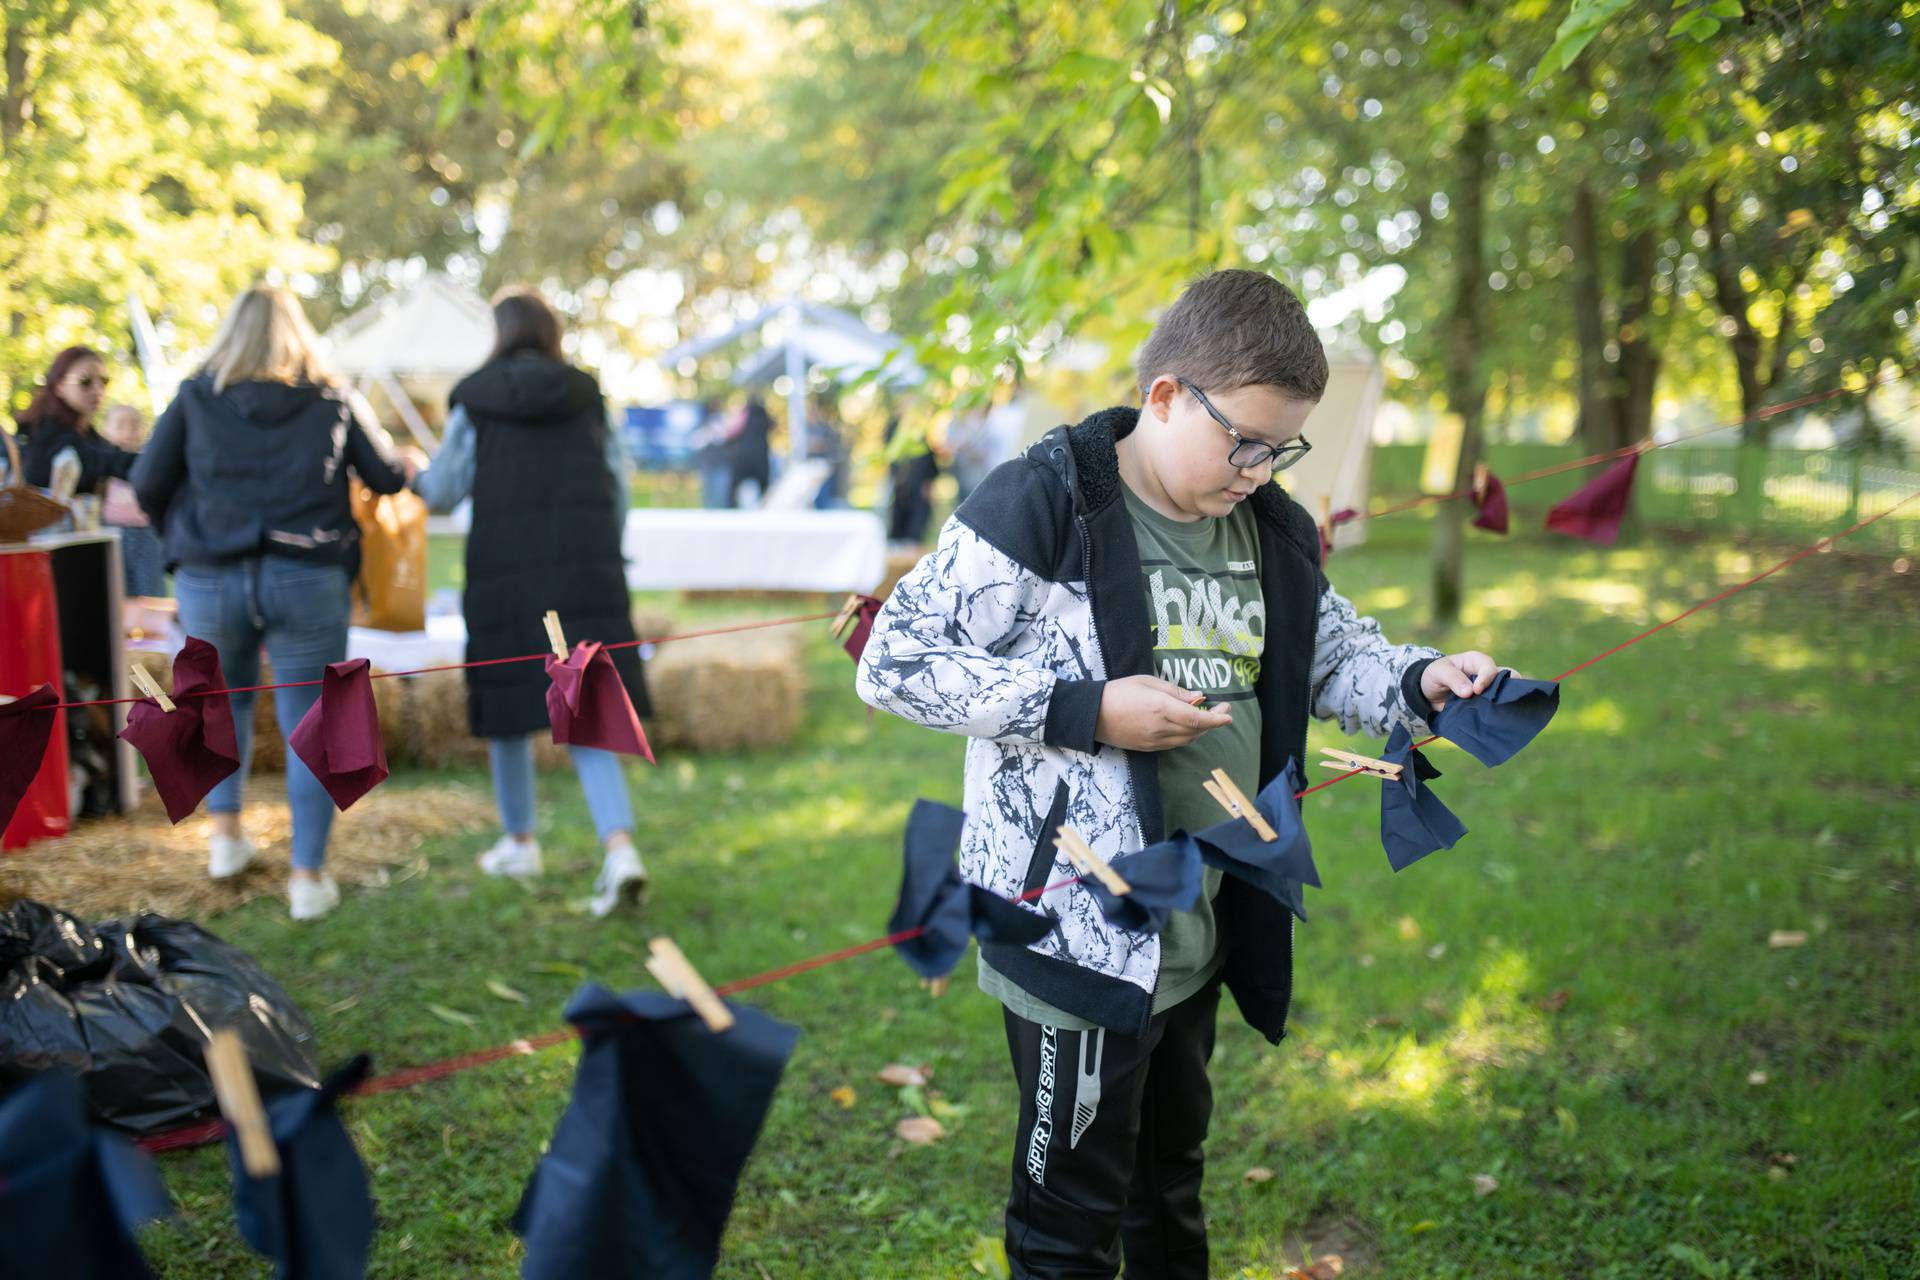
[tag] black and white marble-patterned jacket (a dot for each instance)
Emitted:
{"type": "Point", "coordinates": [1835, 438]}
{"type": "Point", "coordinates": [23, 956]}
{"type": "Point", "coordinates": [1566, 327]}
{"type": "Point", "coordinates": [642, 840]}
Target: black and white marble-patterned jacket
{"type": "Point", "coordinates": [1008, 631]}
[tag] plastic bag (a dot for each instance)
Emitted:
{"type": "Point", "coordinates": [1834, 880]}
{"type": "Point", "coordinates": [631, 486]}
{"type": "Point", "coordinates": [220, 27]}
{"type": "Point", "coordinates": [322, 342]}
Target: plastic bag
{"type": "Point", "coordinates": [127, 1006]}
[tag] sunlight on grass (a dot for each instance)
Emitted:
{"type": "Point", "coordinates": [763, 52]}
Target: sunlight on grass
{"type": "Point", "coordinates": [1611, 595]}
{"type": "Point", "coordinates": [1384, 598]}
{"type": "Point", "coordinates": [1602, 715]}
{"type": "Point", "coordinates": [1779, 652]}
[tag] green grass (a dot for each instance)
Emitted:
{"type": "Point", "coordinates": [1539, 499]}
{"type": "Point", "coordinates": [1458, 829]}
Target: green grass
{"type": "Point", "coordinates": [1753, 769]}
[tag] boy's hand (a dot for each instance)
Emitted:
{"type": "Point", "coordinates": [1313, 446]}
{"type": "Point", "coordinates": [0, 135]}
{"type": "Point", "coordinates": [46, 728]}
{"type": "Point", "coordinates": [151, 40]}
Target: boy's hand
{"type": "Point", "coordinates": [1463, 675]}
{"type": "Point", "coordinates": [1142, 713]}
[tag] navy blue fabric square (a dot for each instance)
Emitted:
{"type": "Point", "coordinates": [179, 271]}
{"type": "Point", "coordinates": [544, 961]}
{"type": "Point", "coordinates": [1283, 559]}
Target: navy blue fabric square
{"type": "Point", "coordinates": [1413, 822]}
{"type": "Point", "coordinates": [1278, 867]}
{"type": "Point", "coordinates": [1504, 717]}
{"type": "Point", "coordinates": [640, 1176]}
{"type": "Point", "coordinates": [314, 1220]}
{"type": "Point", "coordinates": [70, 1193]}
{"type": "Point", "coordinates": [948, 910]}
{"type": "Point", "coordinates": [1162, 878]}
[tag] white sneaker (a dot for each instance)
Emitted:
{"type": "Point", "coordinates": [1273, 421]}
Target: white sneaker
{"type": "Point", "coordinates": [311, 899]}
{"type": "Point", "coordinates": [519, 859]}
{"type": "Point", "coordinates": [228, 856]}
{"type": "Point", "coordinates": [622, 881]}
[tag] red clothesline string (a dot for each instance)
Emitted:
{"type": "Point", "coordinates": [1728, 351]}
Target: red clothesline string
{"type": "Point", "coordinates": [213, 1130]}
{"type": "Point", "coordinates": [1594, 459]}
{"type": "Point", "coordinates": [1556, 469]}
{"type": "Point", "coordinates": [464, 666]}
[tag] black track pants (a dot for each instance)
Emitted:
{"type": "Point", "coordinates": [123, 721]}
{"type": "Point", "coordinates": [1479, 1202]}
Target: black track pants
{"type": "Point", "coordinates": [1109, 1153]}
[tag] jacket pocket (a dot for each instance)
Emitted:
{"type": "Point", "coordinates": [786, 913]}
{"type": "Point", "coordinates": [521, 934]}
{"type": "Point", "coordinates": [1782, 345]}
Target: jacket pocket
{"type": "Point", "coordinates": [1040, 862]}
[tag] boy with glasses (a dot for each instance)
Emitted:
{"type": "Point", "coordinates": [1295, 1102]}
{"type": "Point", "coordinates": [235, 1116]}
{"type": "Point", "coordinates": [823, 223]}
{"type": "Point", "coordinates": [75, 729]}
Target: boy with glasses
{"type": "Point", "coordinates": [1080, 607]}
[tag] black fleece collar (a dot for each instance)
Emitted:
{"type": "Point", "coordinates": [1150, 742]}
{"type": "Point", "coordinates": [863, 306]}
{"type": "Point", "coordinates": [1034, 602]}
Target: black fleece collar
{"type": "Point", "coordinates": [1093, 477]}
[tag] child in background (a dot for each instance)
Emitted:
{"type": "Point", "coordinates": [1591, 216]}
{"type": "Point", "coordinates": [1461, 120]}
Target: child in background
{"type": "Point", "coordinates": [142, 566]}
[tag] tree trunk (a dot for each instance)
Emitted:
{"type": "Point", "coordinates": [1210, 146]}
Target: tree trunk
{"type": "Point", "coordinates": [1731, 294]}
{"type": "Point", "coordinates": [1466, 375]}
{"type": "Point", "coordinates": [1599, 428]}
{"type": "Point", "coordinates": [1636, 370]}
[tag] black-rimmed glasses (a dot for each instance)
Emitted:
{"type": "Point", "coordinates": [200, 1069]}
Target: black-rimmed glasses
{"type": "Point", "coordinates": [1247, 454]}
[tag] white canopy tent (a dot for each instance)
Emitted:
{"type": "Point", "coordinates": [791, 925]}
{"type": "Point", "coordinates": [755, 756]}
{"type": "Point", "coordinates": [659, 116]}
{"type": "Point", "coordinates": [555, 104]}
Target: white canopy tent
{"type": "Point", "coordinates": [434, 331]}
{"type": "Point", "coordinates": [798, 335]}
{"type": "Point", "coordinates": [1338, 473]}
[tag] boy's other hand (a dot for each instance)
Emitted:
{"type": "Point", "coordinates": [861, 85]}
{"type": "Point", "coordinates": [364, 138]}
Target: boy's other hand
{"type": "Point", "coordinates": [1142, 713]}
{"type": "Point", "coordinates": [1463, 675]}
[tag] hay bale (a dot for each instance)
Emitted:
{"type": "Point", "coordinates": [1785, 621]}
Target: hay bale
{"type": "Point", "coordinates": [270, 745]}
{"type": "Point", "coordinates": [653, 624]}
{"type": "Point", "coordinates": [433, 724]}
{"type": "Point", "coordinates": [158, 665]}
{"type": "Point", "coordinates": [433, 731]}
{"type": "Point", "coordinates": [722, 693]}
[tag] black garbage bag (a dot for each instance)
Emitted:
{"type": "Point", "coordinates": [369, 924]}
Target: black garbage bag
{"type": "Point", "coordinates": [127, 1006]}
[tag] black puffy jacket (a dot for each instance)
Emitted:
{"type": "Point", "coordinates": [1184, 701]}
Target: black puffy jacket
{"type": "Point", "coordinates": [260, 469]}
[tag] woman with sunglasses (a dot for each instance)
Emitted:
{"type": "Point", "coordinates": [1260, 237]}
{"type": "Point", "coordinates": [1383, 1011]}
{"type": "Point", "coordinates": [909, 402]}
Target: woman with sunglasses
{"type": "Point", "coordinates": [60, 417]}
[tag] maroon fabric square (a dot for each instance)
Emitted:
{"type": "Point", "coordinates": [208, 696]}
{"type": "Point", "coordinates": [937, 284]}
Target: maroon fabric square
{"type": "Point", "coordinates": [1334, 521]}
{"type": "Point", "coordinates": [339, 737]}
{"type": "Point", "coordinates": [25, 728]}
{"type": "Point", "coordinates": [856, 641]}
{"type": "Point", "coordinates": [1594, 512]}
{"type": "Point", "coordinates": [190, 749]}
{"type": "Point", "coordinates": [1492, 504]}
{"type": "Point", "coordinates": [588, 705]}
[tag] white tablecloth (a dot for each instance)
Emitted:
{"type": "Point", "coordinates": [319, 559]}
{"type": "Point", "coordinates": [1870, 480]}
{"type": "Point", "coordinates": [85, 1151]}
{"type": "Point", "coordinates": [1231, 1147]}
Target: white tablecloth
{"type": "Point", "coordinates": [686, 549]}
{"type": "Point", "coordinates": [442, 643]}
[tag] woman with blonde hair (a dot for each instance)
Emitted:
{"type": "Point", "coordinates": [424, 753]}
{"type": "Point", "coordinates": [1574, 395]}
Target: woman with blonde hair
{"type": "Point", "coordinates": [245, 478]}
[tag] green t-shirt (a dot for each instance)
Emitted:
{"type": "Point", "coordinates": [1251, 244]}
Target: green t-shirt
{"type": "Point", "coordinates": [1209, 623]}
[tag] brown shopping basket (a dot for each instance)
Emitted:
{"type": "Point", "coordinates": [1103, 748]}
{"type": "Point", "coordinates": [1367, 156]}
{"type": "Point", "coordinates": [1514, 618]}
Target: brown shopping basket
{"type": "Point", "coordinates": [23, 509]}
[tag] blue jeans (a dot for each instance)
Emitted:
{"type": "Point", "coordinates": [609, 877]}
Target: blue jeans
{"type": "Point", "coordinates": [300, 611]}
{"type": "Point", "coordinates": [600, 777]}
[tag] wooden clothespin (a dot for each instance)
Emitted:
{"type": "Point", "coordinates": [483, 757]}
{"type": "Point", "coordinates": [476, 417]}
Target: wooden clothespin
{"type": "Point", "coordinates": [143, 681]}
{"type": "Point", "coordinates": [1348, 762]}
{"type": "Point", "coordinates": [848, 612]}
{"type": "Point", "coordinates": [681, 979]}
{"type": "Point", "coordinates": [1479, 481]}
{"type": "Point", "coordinates": [1088, 863]}
{"type": "Point", "coordinates": [239, 1098]}
{"type": "Point", "coordinates": [1234, 801]}
{"type": "Point", "coordinates": [555, 636]}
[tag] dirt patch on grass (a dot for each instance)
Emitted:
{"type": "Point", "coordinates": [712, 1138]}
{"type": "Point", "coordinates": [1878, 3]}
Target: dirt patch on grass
{"type": "Point", "coordinates": [1325, 1239]}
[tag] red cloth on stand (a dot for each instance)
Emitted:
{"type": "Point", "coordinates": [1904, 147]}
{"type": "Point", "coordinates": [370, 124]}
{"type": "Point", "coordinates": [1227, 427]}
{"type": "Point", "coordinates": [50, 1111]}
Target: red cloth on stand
{"type": "Point", "coordinates": [1492, 503]}
{"type": "Point", "coordinates": [339, 737]}
{"type": "Point", "coordinates": [1594, 512]}
{"type": "Point", "coordinates": [24, 730]}
{"type": "Point", "coordinates": [190, 749]}
{"type": "Point", "coordinates": [588, 705]}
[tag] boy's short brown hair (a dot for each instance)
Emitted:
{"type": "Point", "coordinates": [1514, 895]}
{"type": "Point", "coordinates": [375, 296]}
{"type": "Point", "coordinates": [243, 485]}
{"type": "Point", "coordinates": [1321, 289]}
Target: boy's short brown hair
{"type": "Point", "coordinates": [1234, 329]}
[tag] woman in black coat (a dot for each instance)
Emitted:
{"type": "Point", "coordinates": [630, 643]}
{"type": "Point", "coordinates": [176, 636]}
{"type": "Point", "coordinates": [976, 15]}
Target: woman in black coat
{"type": "Point", "coordinates": [60, 418]}
{"type": "Point", "coordinates": [527, 438]}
